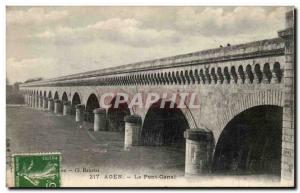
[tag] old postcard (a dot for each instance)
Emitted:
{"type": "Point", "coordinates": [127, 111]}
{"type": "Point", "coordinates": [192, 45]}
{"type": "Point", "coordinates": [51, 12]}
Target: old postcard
{"type": "Point", "coordinates": [150, 96]}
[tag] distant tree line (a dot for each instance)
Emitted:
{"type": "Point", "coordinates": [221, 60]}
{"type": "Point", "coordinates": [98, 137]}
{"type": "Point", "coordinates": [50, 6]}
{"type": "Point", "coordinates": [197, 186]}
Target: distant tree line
{"type": "Point", "coordinates": [13, 93]}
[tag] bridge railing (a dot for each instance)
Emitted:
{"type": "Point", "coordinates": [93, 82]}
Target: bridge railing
{"type": "Point", "coordinates": [239, 73]}
{"type": "Point", "coordinates": [131, 73]}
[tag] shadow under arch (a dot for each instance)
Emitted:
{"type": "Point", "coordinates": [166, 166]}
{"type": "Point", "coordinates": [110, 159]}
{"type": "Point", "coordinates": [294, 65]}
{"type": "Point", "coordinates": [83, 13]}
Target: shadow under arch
{"type": "Point", "coordinates": [115, 116]}
{"type": "Point", "coordinates": [164, 126]}
{"type": "Point", "coordinates": [75, 101]}
{"type": "Point", "coordinates": [91, 104]}
{"type": "Point", "coordinates": [56, 96]}
{"type": "Point", "coordinates": [251, 143]}
{"type": "Point", "coordinates": [64, 97]}
{"type": "Point", "coordinates": [49, 95]}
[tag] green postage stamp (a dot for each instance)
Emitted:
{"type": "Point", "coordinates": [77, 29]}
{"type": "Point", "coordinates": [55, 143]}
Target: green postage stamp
{"type": "Point", "coordinates": [41, 170]}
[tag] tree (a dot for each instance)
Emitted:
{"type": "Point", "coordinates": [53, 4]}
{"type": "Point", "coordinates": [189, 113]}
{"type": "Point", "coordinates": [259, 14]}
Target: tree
{"type": "Point", "coordinates": [16, 85]}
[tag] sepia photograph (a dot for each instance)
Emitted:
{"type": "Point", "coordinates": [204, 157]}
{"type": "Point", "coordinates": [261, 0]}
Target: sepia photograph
{"type": "Point", "coordinates": [150, 96]}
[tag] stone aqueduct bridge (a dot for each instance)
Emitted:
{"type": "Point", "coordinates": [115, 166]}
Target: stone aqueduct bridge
{"type": "Point", "coordinates": [246, 94]}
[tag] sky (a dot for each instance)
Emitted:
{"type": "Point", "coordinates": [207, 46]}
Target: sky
{"type": "Point", "coordinates": [49, 42]}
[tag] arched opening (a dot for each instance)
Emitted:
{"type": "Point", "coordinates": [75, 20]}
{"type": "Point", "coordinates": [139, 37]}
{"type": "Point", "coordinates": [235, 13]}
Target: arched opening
{"type": "Point", "coordinates": [186, 76]}
{"type": "Point", "coordinates": [64, 97]}
{"type": "Point", "coordinates": [213, 75]}
{"type": "Point", "coordinates": [92, 103]}
{"type": "Point", "coordinates": [75, 101]}
{"type": "Point", "coordinates": [174, 77]}
{"type": "Point", "coordinates": [178, 78]}
{"type": "Point", "coordinates": [164, 126]}
{"type": "Point", "coordinates": [251, 143]}
{"type": "Point", "coordinates": [207, 76]}
{"type": "Point", "coordinates": [197, 76]}
{"type": "Point", "coordinates": [147, 79]}
{"type": "Point", "coordinates": [45, 94]}
{"type": "Point", "coordinates": [277, 71]}
{"type": "Point", "coordinates": [249, 73]}
{"type": "Point", "coordinates": [56, 95]}
{"type": "Point", "coordinates": [202, 76]}
{"type": "Point", "coordinates": [241, 73]}
{"type": "Point", "coordinates": [227, 75]}
{"type": "Point", "coordinates": [191, 75]}
{"type": "Point", "coordinates": [267, 72]}
{"type": "Point", "coordinates": [49, 95]}
{"type": "Point", "coordinates": [166, 78]}
{"type": "Point", "coordinates": [220, 75]}
{"type": "Point", "coordinates": [115, 115]}
{"type": "Point", "coordinates": [234, 74]}
{"type": "Point", "coordinates": [258, 73]}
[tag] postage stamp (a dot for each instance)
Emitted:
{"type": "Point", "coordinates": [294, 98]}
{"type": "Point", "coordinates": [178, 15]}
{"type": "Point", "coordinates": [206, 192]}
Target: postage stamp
{"type": "Point", "coordinates": [40, 170]}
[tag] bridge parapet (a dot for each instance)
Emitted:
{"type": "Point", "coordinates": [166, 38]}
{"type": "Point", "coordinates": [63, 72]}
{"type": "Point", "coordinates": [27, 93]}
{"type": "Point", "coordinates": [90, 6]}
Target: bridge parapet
{"type": "Point", "coordinates": [239, 73]}
{"type": "Point", "coordinates": [161, 71]}
{"type": "Point", "coordinates": [265, 71]}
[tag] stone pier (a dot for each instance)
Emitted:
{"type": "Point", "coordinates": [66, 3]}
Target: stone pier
{"type": "Point", "coordinates": [133, 125]}
{"type": "Point", "coordinates": [199, 149]}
